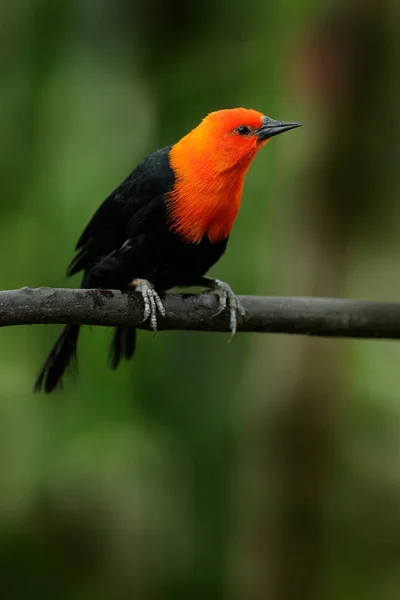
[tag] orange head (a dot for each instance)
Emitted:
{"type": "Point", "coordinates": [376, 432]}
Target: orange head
{"type": "Point", "coordinates": [209, 164]}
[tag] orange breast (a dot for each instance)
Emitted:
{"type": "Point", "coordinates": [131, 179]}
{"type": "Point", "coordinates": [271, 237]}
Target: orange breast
{"type": "Point", "coordinates": [203, 201]}
{"type": "Point", "coordinates": [196, 211]}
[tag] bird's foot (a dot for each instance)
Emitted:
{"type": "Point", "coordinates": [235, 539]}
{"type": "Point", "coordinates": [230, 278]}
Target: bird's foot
{"type": "Point", "coordinates": [152, 301]}
{"type": "Point", "coordinates": [228, 299]}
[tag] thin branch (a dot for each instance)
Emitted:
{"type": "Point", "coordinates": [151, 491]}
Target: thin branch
{"type": "Point", "coordinates": [329, 317]}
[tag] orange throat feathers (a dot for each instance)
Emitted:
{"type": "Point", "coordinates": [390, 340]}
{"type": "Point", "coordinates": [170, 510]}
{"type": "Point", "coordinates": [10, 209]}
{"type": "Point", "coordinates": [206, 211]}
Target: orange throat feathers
{"type": "Point", "coordinates": [208, 188]}
{"type": "Point", "coordinates": [203, 203]}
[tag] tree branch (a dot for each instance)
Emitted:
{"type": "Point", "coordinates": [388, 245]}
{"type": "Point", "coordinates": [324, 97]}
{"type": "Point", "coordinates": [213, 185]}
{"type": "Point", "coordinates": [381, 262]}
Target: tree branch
{"type": "Point", "coordinates": [327, 317]}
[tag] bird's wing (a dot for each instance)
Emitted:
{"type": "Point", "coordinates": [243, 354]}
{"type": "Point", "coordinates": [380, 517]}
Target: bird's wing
{"type": "Point", "coordinates": [127, 209]}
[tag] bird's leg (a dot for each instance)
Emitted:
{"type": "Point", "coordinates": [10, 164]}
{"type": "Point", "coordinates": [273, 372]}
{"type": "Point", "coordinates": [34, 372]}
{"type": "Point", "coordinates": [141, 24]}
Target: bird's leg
{"type": "Point", "coordinates": [152, 301]}
{"type": "Point", "coordinates": [226, 299]}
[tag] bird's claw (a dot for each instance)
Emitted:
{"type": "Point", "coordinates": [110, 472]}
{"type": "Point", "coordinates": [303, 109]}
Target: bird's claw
{"type": "Point", "coordinates": [152, 302]}
{"type": "Point", "coordinates": [228, 299]}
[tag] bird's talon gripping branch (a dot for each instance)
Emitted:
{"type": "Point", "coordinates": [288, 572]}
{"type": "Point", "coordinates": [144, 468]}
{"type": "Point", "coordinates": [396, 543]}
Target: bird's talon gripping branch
{"type": "Point", "coordinates": [152, 301]}
{"type": "Point", "coordinates": [228, 299]}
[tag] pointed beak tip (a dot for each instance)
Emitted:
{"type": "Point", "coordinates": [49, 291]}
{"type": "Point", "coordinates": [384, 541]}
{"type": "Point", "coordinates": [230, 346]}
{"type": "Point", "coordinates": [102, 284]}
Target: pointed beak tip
{"type": "Point", "coordinates": [272, 128]}
{"type": "Point", "coordinates": [288, 126]}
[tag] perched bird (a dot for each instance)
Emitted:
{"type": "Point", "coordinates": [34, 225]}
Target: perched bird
{"type": "Point", "coordinates": [166, 224]}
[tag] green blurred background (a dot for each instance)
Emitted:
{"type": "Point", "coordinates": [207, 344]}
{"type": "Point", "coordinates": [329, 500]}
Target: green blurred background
{"type": "Point", "coordinates": [268, 468]}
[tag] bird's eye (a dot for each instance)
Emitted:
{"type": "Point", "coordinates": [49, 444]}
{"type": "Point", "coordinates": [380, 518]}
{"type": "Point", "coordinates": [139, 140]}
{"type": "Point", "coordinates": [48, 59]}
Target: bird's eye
{"type": "Point", "coordinates": [243, 130]}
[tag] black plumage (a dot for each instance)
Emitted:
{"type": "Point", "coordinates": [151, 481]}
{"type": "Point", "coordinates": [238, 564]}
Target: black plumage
{"type": "Point", "coordinates": [129, 238]}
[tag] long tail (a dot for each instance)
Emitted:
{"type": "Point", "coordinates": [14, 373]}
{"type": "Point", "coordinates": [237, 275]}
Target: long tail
{"type": "Point", "coordinates": [62, 355]}
{"type": "Point", "coordinates": [123, 345]}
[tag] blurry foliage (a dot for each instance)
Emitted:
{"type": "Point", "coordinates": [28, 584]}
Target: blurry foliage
{"type": "Point", "coordinates": [125, 484]}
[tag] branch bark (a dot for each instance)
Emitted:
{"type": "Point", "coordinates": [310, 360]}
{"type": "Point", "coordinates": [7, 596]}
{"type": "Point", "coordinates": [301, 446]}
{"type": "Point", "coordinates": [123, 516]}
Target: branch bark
{"type": "Point", "coordinates": [327, 317]}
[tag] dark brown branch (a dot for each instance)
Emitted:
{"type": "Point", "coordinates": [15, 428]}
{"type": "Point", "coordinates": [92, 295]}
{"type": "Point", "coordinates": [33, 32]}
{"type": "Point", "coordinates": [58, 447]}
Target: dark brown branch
{"type": "Point", "coordinates": [327, 317]}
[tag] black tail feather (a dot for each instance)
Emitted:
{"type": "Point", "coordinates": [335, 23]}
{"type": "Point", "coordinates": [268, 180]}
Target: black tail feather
{"type": "Point", "coordinates": [123, 345]}
{"type": "Point", "coordinates": [62, 356]}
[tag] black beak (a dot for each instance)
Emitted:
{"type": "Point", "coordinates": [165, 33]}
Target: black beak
{"type": "Point", "coordinates": [269, 128]}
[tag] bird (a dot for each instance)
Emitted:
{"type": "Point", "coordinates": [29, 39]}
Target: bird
{"type": "Point", "coordinates": [165, 226]}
